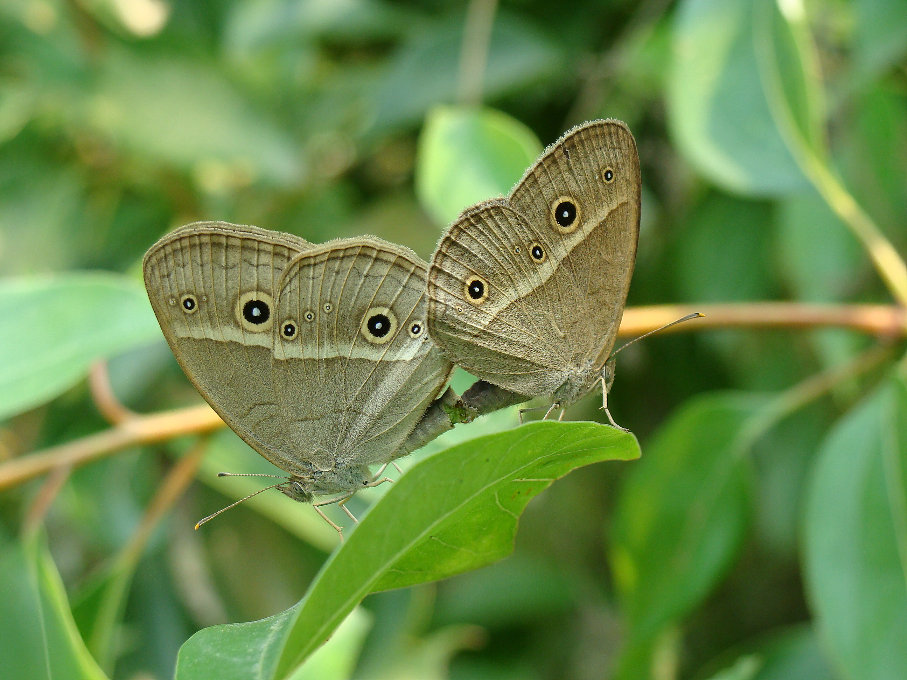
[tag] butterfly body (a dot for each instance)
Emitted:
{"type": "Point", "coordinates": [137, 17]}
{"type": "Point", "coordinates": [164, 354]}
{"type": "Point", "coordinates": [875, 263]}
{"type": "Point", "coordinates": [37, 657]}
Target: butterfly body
{"type": "Point", "coordinates": [527, 291]}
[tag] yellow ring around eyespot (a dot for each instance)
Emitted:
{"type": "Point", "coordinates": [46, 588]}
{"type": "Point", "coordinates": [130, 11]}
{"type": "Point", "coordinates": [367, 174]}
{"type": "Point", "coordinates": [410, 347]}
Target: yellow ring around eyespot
{"type": "Point", "coordinates": [421, 326]}
{"type": "Point", "coordinates": [284, 324]}
{"type": "Point", "coordinates": [184, 298]}
{"type": "Point", "coordinates": [367, 332]}
{"type": "Point", "coordinates": [532, 247]}
{"type": "Point", "coordinates": [577, 219]}
{"type": "Point", "coordinates": [240, 316]}
{"type": "Point", "coordinates": [468, 293]}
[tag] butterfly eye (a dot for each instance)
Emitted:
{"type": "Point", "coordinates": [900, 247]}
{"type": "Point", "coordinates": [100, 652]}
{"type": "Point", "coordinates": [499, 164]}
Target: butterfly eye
{"type": "Point", "coordinates": [327, 307]}
{"type": "Point", "coordinates": [565, 214]}
{"type": "Point", "coordinates": [537, 253]}
{"type": "Point", "coordinates": [289, 329]}
{"type": "Point", "coordinates": [476, 290]}
{"type": "Point", "coordinates": [608, 175]}
{"type": "Point", "coordinates": [309, 315]}
{"type": "Point", "coordinates": [378, 325]}
{"type": "Point", "coordinates": [253, 311]}
{"type": "Point", "coordinates": [415, 330]}
{"type": "Point", "coordinates": [189, 304]}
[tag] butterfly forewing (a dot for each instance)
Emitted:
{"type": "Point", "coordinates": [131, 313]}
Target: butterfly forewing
{"type": "Point", "coordinates": [355, 367]}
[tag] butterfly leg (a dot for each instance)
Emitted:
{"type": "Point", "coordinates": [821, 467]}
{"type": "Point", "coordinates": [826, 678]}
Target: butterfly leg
{"type": "Point", "coordinates": [551, 409]}
{"type": "Point", "coordinates": [605, 384]}
{"type": "Point", "coordinates": [342, 504]}
{"type": "Point", "coordinates": [326, 518]}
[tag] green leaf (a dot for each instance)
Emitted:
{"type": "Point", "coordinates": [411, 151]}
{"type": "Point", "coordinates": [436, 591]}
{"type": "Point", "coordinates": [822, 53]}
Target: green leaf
{"type": "Point", "coordinates": [455, 511]}
{"type": "Point", "coordinates": [718, 112]}
{"type": "Point", "coordinates": [792, 652]}
{"type": "Point", "coordinates": [747, 242]}
{"type": "Point", "coordinates": [681, 518]}
{"type": "Point", "coordinates": [469, 155]}
{"type": "Point", "coordinates": [220, 136]}
{"type": "Point", "coordinates": [425, 71]}
{"type": "Point", "coordinates": [53, 328]}
{"type": "Point", "coordinates": [855, 537]}
{"type": "Point", "coordinates": [40, 639]}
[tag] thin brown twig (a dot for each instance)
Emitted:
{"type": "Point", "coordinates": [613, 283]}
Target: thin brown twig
{"type": "Point", "coordinates": [139, 430]}
{"type": "Point", "coordinates": [886, 321]}
{"type": "Point", "coordinates": [111, 408]}
{"type": "Point", "coordinates": [39, 506]}
{"type": "Point", "coordinates": [175, 484]}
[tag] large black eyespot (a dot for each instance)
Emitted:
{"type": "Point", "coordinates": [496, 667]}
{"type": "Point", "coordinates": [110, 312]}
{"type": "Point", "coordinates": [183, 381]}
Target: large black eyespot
{"type": "Point", "coordinates": [189, 303]}
{"type": "Point", "coordinates": [288, 330]}
{"type": "Point", "coordinates": [253, 311]}
{"type": "Point", "coordinates": [379, 325]}
{"type": "Point", "coordinates": [565, 214]}
{"type": "Point", "coordinates": [256, 311]}
{"type": "Point", "coordinates": [476, 289]}
{"type": "Point", "coordinates": [537, 253]}
{"type": "Point", "coordinates": [608, 175]}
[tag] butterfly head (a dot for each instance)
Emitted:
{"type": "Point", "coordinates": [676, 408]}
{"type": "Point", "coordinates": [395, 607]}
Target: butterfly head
{"type": "Point", "coordinates": [297, 489]}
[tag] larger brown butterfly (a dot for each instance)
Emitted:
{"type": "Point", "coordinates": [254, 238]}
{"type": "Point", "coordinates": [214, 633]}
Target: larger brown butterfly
{"type": "Point", "coordinates": [317, 356]}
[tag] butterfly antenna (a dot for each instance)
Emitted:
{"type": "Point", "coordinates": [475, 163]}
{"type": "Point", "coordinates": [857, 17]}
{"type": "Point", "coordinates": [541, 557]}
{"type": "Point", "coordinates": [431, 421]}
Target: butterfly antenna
{"type": "Point", "coordinates": [694, 315]}
{"type": "Point", "coordinates": [245, 498]}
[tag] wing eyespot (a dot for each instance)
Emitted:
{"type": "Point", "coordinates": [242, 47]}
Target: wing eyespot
{"type": "Point", "coordinates": [189, 303]}
{"type": "Point", "coordinates": [476, 289]}
{"type": "Point", "coordinates": [566, 215]}
{"type": "Point", "coordinates": [289, 330]}
{"type": "Point", "coordinates": [253, 311]}
{"type": "Point", "coordinates": [379, 324]}
{"type": "Point", "coordinates": [537, 252]}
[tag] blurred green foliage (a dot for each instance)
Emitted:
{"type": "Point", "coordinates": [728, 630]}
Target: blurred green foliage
{"type": "Point", "coordinates": [763, 533]}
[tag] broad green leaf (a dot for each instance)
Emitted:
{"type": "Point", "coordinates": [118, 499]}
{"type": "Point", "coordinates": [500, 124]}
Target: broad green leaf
{"type": "Point", "coordinates": [469, 155]}
{"type": "Point", "coordinates": [220, 136]}
{"type": "Point", "coordinates": [741, 268]}
{"type": "Point", "coordinates": [455, 511]}
{"type": "Point", "coordinates": [425, 71]}
{"type": "Point", "coordinates": [52, 328]}
{"type": "Point", "coordinates": [680, 518]}
{"type": "Point", "coordinates": [38, 638]}
{"type": "Point", "coordinates": [792, 653]}
{"type": "Point", "coordinates": [814, 247]}
{"type": "Point", "coordinates": [855, 537]}
{"type": "Point", "coordinates": [719, 115]}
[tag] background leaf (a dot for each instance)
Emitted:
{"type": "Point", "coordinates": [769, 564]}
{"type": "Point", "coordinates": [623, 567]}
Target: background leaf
{"type": "Point", "coordinates": [680, 518]}
{"type": "Point", "coordinates": [40, 639]}
{"type": "Point", "coordinates": [855, 537]}
{"type": "Point", "coordinates": [467, 156]}
{"type": "Point", "coordinates": [53, 328]}
{"type": "Point", "coordinates": [717, 105]}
